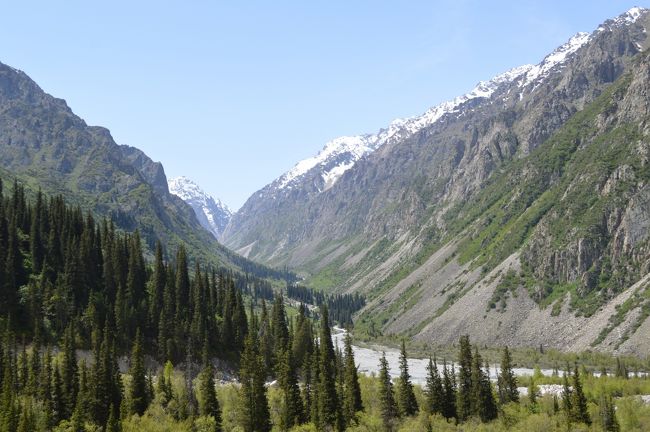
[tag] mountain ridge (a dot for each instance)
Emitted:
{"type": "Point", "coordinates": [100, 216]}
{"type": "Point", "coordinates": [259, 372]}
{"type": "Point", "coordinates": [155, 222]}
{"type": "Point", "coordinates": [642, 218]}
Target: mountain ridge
{"type": "Point", "coordinates": [212, 213]}
{"type": "Point", "coordinates": [405, 224]}
{"type": "Point", "coordinates": [46, 146]}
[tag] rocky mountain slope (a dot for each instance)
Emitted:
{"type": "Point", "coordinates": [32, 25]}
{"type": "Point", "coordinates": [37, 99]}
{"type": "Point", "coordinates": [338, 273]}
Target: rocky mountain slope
{"type": "Point", "coordinates": [212, 214]}
{"type": "Point", "coordinates": [45, 145]}
{"type": "Point", "coordinates": [524, 208]}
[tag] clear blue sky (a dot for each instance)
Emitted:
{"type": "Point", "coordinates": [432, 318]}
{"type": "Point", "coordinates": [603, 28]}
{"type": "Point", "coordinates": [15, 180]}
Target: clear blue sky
{"type": "Point", "coordinates": [232, 94]}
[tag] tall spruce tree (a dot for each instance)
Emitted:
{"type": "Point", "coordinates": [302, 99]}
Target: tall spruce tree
{"type": "Point", "coordinates": [138, 387]}
{"type": "Point", "coordinates": [580, 414]}
{"type": "Point", "coordinates": [69, 376]}
{"type": "Point", "coordinates": [567, 399]}
{"type": "Point", "coordinates": [406, 401]}
{"type": "Point", "coordinates": [352, 402]}
{"type": "Point", "coordinates": [506, 381]}
{"type": "Point", "coordinates": [465, 404]}
{"type": "Point", "coordinates": [387, 404]}
{"type": "Point", "coordinates": [209, 405]}
{"type": "Point", "coordinates": [254, 414]}
{"type": "Point", "coordinates": [484, 404]}
{"type": "Point", "coordinates": [449, 409]}
{"type": "Point", "coordinates": [292, 410]}
{"type": "Point", "coordinates": [434, 389]}
{"type": "Point", "coordinates": [328, 406]}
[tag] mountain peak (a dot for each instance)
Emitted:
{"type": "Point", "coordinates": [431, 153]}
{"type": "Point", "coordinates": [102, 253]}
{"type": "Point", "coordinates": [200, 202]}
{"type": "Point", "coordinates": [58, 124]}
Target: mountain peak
{"type": "Point", "coordinates": [631, 16]}
{"type": "Point", "coordinates": [212, 213]}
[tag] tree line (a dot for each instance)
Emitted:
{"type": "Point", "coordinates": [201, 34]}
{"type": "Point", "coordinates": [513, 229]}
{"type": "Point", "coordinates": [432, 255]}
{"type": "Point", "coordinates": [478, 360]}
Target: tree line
{"type": "Point", "coordinates": [341, 306]}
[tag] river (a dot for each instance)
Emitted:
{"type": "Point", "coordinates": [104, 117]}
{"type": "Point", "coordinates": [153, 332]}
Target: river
{"type": "Point", "coordinates": [367, 359]}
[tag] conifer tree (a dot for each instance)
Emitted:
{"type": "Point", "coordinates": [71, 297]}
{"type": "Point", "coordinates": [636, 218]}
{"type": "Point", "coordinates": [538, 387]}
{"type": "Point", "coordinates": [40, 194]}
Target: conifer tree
{"type": "Point", "coordinates": [580, 413]}
{"type": "Point", "coordinates": [182, 287]}
{"type": "Point", "coordinates": [307, 387]}
{"type": "Point", "coordinates": [69, 376]}
{"type": "Point", "coordinates": [266, 339]}
{"type": "Point", "coordinates": [506, 381]}
{"type": "Point", "coordinates": [138, 386]}
{"type": "Point", "coordinates": [303, 338]}
{"type": "Point", "coordinates": [450, 393]}
{"type": "Point", "coordinates": [157, 291]}
{"type": "Point", "coordinates": [532, 395]}
{"type": "Point", "coordinates": [255, 416]}
{"type": "Point", "coordinates": [292, 411]}
{"type": "Point", "coordinates": [352, 402]}
{"type": "Point", "coordinates": [465, 405]}
{"type": "Point", "coordinates": [434, 389]}
{"type": "Point", "coordinates": [58, 399]}
{"type": "Point", "coordinates": [388, 406]}
{"type": "Point", "coordinates": [567, 398]}
{"type": "Point", "coordinates": [209, 405]}
{"type": "Point", "coordinates": [483, 404]}
{"type": "Point", "coordinates": [406, 402]}
{"type": "Point", "coordinates": [279, 325]}
{"type": "Point", "coordinates": [328, 407]}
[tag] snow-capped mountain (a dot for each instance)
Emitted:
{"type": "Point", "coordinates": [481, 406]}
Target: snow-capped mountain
{"type": "Point", "coordinates": [333, 193]}
{"type": "Point", "coordinates": [212, 214]}
{"type": "Point", "coordinates": [340, 154]}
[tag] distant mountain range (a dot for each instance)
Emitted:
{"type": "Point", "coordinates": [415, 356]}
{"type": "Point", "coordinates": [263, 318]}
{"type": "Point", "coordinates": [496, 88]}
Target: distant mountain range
{"type": "Point", "coordinates": [212, 214]}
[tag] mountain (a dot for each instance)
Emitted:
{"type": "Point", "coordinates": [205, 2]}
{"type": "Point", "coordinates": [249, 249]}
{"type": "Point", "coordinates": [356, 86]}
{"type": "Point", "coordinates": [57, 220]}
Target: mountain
{"type": "Point", "coordinates": [517, 215]}
{"type": "Point", "coordinates": [44, 145]}
{"type": "Point", "coordinates": [212, 214]}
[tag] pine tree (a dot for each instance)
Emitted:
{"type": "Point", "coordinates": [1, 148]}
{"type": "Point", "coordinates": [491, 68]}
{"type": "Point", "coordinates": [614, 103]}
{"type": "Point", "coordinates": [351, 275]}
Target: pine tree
{"type": "Point", "coordinates": [532, 395]}
{"type": "Point", "coordinates": [138, 386]}
{"type": "Point", "coordinates": [164, 385]}
{"type": "Point", "coordinates": [465, 404]}
{"type": "Point", "coordinates": [434, 389]}
{"type": "Point", "coordinates": [328, 407]}
{"type": "Point", "coordinates": [388, 406]}
{"type": "Point", "coordinates": [279, 325]}
{"type": "Point", "coordinates": [292, 411]}
{"type": "Point", "coordinates": [580, 413]}
{"type": "Point", "coordinates": [315, 386]}
{"type": "Point", "coordinates": [483, 403]}
{"type": "Point", "coordinates": [567, 398]}
{"type": "Point", "coordinates": [58, 400]}
{"type": "Point", "coordinates": [157, 291]}
{"type": "Point", "coordinates": [255, 416]}
{"type": "Point", "coordinates": [69, 376]}
{"type": "Point", "coordinates": [352, 403]}
{"type": "Point", "coordinates": [506, 381]}
{"type": "Point", "coordinates": [450, 392]}
{"type": "Point", "coordinates": [209, 405]}
{"type": "Point", "coordinates": [406, 402]}
{"type": "Point", "coordinates": [303, 339]}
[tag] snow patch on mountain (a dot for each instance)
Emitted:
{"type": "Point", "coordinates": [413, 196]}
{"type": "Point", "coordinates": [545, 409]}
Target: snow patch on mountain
{"type": "Point", "coordinates": [341, 154]}
{"type": "Point", "coordinates": [211, 213]}
{"type": "Point", "coordinates": [347, 150]}
{"type": "Point", "coordinates": [556, 58]}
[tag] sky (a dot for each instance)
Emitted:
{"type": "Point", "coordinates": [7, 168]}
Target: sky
{"type": "Point", "coordinates": [233, 94]}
